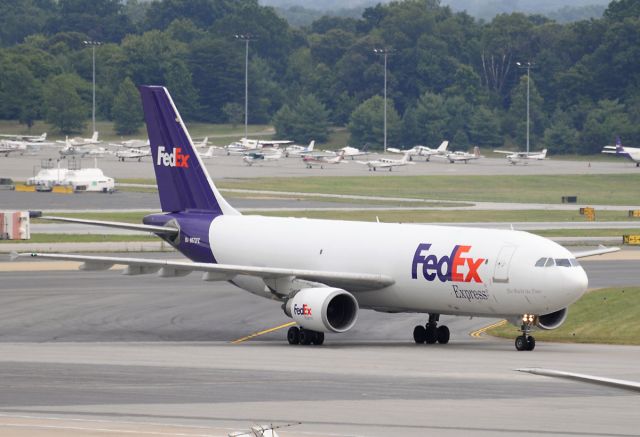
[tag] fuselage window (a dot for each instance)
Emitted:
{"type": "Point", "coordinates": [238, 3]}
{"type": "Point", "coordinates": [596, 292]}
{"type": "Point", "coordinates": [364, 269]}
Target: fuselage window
{"type": "Point", "coordinates": [541, 262]}
{"type": "Point", "coordinates": [550, 262]}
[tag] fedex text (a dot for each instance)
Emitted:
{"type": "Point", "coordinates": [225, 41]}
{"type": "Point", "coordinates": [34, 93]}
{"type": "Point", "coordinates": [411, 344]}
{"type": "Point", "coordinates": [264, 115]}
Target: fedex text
{"type": "Point", "coordinates": [455, 267]}
{"type": "Point", "coordinates": [173, 159]}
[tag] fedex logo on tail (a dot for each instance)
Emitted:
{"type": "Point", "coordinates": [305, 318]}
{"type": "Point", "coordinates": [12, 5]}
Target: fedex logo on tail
{"type": "Point", "coordinates": [455, 267]}
{"type": "Point", "coordinates": [173, 159]}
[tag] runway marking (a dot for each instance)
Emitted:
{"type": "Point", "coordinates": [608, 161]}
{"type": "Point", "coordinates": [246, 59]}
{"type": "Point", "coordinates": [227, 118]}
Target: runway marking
{"type": "Point", "coordinates": [481, 331]}
{"type": "Point", "coordinates": [266, 331]}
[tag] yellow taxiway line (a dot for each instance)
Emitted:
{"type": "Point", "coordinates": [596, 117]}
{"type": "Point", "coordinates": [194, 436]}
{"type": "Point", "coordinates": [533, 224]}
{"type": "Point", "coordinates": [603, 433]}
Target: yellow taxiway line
{"type": "Point", "coordinates": [481, 331]}
{"type": "Point", "coordinates": [259, 333]}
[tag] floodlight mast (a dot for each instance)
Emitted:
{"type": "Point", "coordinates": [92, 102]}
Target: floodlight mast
{"type": "Point", "coordinates": [93, 45]}
{"type": "Point", "coordinates": [385, 52]}
{"type": "Point", "coordinates": [527, 65]}
{"type": "Point", "coordinates": [246, 37]}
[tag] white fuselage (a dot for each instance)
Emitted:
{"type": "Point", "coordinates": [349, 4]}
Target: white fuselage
{"type": "Point", "coordinates": [494, 273]}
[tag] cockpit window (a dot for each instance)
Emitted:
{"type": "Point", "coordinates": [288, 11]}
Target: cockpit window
{"type": "Point", "coordinates": [563, 262]}
{"type": "Point", "coordinates": [574, 262]}
{"type": "Point", "coordinates": [550, 262]}
{"type": "Point", "coordinates": [541, 262]}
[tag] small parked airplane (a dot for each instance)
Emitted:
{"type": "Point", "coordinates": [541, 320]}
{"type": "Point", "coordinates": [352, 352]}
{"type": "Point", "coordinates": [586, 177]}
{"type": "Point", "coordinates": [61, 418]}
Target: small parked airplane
{"type": "Point", "coordinates": [524, 157]}
{"type": "Point", "coordinates": [352, 152]}
{"type": "Point", "coordinates": [28, 138]}
{"type": "Point", "coordinates": [256, 157]}
{"type": "Point", "coordinates": [78, 141]}
{"type": "Point", "coordinates": [323, 282]}
{"type": "Point", "coordinates": [133, 153]}
{"type": "Point", "coordinates": [386, 162]}
{"type": "Point", "coordinates": [465, 157]}
{"type": "Point", "coordinates": [631, 153]}
{"type": "Point", "coordinates": [295, 150]}
{"type": "Point", "coordinates": [423, 151]}
{"type": "Point", "coordinates": [322, 160]}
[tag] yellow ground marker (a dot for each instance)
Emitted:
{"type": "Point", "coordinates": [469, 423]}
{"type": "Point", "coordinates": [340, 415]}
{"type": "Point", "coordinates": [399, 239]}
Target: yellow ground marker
{"type": "Point", "coordinates": [481, 331]}
{"type": "Point", "coordinates": [266, 331]}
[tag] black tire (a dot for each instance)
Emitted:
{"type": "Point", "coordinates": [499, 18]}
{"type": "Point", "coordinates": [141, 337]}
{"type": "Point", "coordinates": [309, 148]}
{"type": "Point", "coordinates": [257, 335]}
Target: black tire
{"type": "Point", "coordinates": [293, 335]}
{"type": "Point", "coordinates": [419, 334]}
{"type": "Point", "coordinates": [531, 343]}
{"type": "Point", "coordinates": [521, 343]}
{"type": "Point", "coordinates": [431, 334]}
{"type": "Point", "coordinates": [443, 334]}
{"type": "Point", "coordinates": [318, 338]}
{"type": "Point", "coordinates": [306, 336]}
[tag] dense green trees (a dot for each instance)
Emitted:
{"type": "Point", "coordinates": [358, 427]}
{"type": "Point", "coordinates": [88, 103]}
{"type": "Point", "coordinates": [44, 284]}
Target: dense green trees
{"type": "Point", "coordinates": [64, 108]}
{"type": "Point", "coordinates": [127, 110]}
{"type": "Point", "coordinates": [449, 76]}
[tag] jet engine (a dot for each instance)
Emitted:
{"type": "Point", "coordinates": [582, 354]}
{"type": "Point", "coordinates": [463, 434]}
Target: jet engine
{"type": "Point", "coordinates": [323, 309]}
{"type": "Point", "coordinates": [552, 320]}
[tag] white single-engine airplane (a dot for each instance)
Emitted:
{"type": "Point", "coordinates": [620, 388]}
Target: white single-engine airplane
{"type": "Point", "coordinates": [632, 153]}
{"type": "Point", "coordinates": [322, 160]}
{"type": "Point", "coordinates": [386, 163]}
{"type": "Point", "coordinates": [465, 157]}
{"type": "Point", "coordinates": [428, 152]}
{"type": "Point", "coordinates": [28, 138]}
{"type": "Point", "coordinates": [324, 282]}
{"type": "Point", "coordinates": [524, 157]}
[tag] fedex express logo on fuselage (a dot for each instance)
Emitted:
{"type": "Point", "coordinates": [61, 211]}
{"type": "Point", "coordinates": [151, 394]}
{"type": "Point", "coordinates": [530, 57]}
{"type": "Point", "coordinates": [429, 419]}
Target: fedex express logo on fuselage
{"type": "Point", "coordinates": [455, 267]}
{"type": "Point", "coordinates": [174, 159]}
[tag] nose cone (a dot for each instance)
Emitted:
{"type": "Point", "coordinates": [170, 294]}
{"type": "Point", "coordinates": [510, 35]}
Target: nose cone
{"type": "Point", "coordinates": [576, 282]}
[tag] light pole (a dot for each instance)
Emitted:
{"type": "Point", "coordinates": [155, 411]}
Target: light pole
{"type": "Point", "coordinates": [246, 38]}
{"type": "Point", "coordinates": [528, 66]}
{"type": "Point", "coordinates": [93, 45]}
{"type": "Point", "coordinates": [384, 52]}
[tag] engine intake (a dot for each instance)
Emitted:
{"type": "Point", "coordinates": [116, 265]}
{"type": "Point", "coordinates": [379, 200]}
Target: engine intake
{"type": "Point", "coordinates": [323, 309]}
{"type": "Point", "coordinates": [552, 320]}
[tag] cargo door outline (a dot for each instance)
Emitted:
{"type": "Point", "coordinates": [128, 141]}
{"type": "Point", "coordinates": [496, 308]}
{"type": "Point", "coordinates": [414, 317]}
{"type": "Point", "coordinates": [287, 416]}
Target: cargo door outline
{"type": "Point", "coordinates": [503, 262]}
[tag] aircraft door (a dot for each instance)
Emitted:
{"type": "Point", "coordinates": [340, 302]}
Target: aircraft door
{"type": "Point", "coordinates": [501, 269]}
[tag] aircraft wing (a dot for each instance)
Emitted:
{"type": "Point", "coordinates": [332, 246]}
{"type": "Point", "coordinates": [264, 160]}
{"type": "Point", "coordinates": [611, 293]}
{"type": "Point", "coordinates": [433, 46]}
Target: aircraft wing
{"type": "Point", "coordinates": [221, 272]}
{"type": "Point", "coordinates": [506, 152]}
{"type": "Point", "coordinates": [601, 250]}
{"type": "Point", "coordinates": [609, 382]}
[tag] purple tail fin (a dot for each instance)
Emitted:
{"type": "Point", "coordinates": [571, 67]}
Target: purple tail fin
{"type": "Point", "coordinates": [183, 181]}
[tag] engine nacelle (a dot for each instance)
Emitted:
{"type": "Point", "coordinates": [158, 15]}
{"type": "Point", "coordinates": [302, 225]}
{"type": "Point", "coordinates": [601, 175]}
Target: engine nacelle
{"type": "Point", "coordinates": [552, 320]}
{"type": "Point", "coordinates": [323, 309]}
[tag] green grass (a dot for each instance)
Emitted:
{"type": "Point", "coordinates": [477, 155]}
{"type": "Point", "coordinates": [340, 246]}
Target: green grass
{"type": "Point", "coordinates": [607, 316]}
{"type": "Point", "coordinates": [550, 233]}
{"type": "Point", "coordinates": [449, 216]}
{"type": "Point", "coordinates": [618, 189]}
{"type": "Point", "coordinates": [81, 238]}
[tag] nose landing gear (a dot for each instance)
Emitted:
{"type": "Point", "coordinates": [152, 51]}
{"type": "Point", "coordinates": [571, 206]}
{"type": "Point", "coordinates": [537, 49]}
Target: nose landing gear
{"type": "Point", "coordinates": [431, 333]}
{"type": "Point", "coordinates": [526, 342]}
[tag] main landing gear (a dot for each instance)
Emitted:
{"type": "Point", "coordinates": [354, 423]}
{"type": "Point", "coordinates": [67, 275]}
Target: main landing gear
{"type": "Point", "coordinates": [297, 335]}
{"type": "Point", "coordinates": [526, 342]}
{"type": "Point", "coordinates": [431, 332]}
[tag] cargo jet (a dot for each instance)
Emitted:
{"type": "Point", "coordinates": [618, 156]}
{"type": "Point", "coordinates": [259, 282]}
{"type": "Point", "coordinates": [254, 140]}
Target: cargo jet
{"type": "Point", "coordinates": [323, 282]}
{"type": "Point", "coordinates": [631, 153]}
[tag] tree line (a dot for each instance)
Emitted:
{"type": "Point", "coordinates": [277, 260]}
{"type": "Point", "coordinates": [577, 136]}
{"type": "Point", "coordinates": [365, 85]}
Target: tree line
{"type": "Point", "coordinates": [449, 75]}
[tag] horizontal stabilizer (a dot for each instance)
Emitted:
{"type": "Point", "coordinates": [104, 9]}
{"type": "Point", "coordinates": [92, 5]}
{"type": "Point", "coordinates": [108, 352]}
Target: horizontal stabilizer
{"type": "Point", "coordinates": [601, 250]}
{"type": "Point", "coordinates": [609, 382]}
{"type": "Point", "coordinates": [120, 225]}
